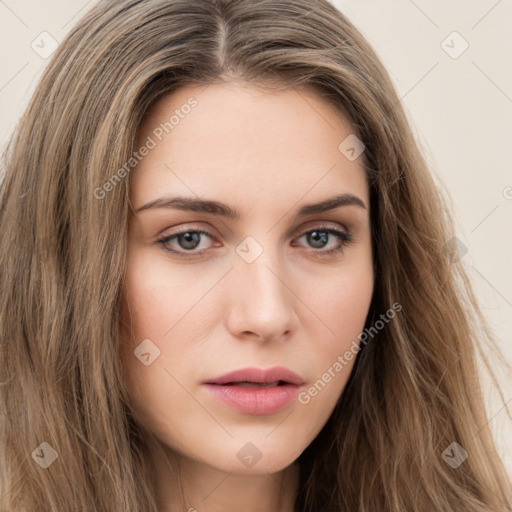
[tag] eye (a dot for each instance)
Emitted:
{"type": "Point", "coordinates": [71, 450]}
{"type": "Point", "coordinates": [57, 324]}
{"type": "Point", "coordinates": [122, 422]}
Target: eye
{"type": "Point", "coordinates": [318, 238]}
{"type": "Point", "coordinates": [185, 243]}
{"type": "Point", "coordinates": [188, 240]}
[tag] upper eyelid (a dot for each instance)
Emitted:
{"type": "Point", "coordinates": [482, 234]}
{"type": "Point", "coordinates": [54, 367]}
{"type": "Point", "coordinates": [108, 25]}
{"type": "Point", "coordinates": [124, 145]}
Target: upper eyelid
{"type": "Point", "coordinates": [296, 233]}
{"type": "Point", "coordinates": [310, 225]}
{"type": "Point", "coordinates": [302, 231]}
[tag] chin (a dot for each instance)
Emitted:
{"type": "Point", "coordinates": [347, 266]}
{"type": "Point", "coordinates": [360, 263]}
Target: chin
{"type": "Point", "coordinates": [259, 458]}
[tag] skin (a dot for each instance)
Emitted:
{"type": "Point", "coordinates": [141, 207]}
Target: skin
{"type": "Point", "coordinates": [266, 154]}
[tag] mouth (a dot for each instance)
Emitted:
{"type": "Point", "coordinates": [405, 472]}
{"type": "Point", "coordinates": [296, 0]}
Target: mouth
{"type": "Point", "coordinates": [255, 385]}
{"type": "Point", "coordinates": [256, 391]}
{"type": "Point", "coordinates": [275, 376]}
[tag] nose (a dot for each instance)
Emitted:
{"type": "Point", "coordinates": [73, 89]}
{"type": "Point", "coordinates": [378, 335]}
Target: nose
{"type": "Point", "coordinates": [262, 301]}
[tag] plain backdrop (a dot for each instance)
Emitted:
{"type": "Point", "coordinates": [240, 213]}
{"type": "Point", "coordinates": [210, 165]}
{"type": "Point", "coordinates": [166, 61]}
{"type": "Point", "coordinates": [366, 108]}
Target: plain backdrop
{"type": "Point", "coordinates": [450, 62]}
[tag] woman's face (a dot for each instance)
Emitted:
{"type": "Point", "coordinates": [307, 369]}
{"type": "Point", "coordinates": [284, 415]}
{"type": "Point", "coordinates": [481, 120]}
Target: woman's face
{"type": "Point", "coordinates": [261, 279]}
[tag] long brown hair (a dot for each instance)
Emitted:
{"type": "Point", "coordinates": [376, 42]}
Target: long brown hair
{"type": "Point", "coordinates": [414, 389]}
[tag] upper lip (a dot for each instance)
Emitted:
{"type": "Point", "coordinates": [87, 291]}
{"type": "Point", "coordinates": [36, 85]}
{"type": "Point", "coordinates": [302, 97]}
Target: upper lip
{"type": "Point", "coordinates": [265, 376]}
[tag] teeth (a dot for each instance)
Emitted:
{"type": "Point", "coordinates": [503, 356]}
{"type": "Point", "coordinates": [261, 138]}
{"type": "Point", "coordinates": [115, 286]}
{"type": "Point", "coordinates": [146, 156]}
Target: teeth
{"type": "Point", "coordinates": [246, 384]}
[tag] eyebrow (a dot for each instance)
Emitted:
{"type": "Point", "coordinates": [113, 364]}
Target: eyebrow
{"type": "Point", "coordinates": [218, 208]}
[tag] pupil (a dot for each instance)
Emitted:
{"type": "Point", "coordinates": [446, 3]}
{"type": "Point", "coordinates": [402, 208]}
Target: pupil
{"type": "Point", "coordinates": [318, 237]}
{"type": "Point", "coordinates": [190, 240]}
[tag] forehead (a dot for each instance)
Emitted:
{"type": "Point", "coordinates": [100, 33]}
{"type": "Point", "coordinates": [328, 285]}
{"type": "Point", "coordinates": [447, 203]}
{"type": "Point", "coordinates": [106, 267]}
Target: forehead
{"type": "Point", "coordinates": [233, 139]}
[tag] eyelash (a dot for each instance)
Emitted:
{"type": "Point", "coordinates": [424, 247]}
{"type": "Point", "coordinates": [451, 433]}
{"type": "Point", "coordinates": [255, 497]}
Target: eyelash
{"type": "Point", "coordinates": [344, 236]}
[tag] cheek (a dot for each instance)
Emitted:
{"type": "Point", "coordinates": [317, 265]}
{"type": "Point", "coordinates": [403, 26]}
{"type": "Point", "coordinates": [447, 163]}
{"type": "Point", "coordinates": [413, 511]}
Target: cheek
{"type": "Point", "coordinates": [342, 305]}
{"type": "Point", "coordinates": [155, 299]}
{"type": "Point", "coordinates": [160, 296]}
{"type": "Point", "coordinates": [170, 306]}
{"type": "Point", "coordinates": [151, 306]}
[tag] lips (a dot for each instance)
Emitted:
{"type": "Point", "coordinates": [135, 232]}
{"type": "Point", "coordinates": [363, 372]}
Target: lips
{"type": "Point", "coordinates": [271, 376]}
{"type": "Point", "coordinates": [254, 390]}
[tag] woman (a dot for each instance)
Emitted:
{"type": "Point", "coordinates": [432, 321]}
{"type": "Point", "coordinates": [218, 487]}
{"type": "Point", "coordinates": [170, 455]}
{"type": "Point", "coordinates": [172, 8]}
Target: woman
{"type": "Point", "coordinates": [225, 277]}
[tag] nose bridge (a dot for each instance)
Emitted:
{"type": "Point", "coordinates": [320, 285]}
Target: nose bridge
{"type": "Point", "coordinates": [261, 278]}
{"type": "Point", "coordinates": [262, 302]}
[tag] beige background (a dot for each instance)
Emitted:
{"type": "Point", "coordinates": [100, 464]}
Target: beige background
{"type": "Point", "coordinates": [458, 99]}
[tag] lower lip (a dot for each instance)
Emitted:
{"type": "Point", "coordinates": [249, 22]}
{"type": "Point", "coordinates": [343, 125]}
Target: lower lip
{"type": "Point", "coordinates": [254, 400]}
